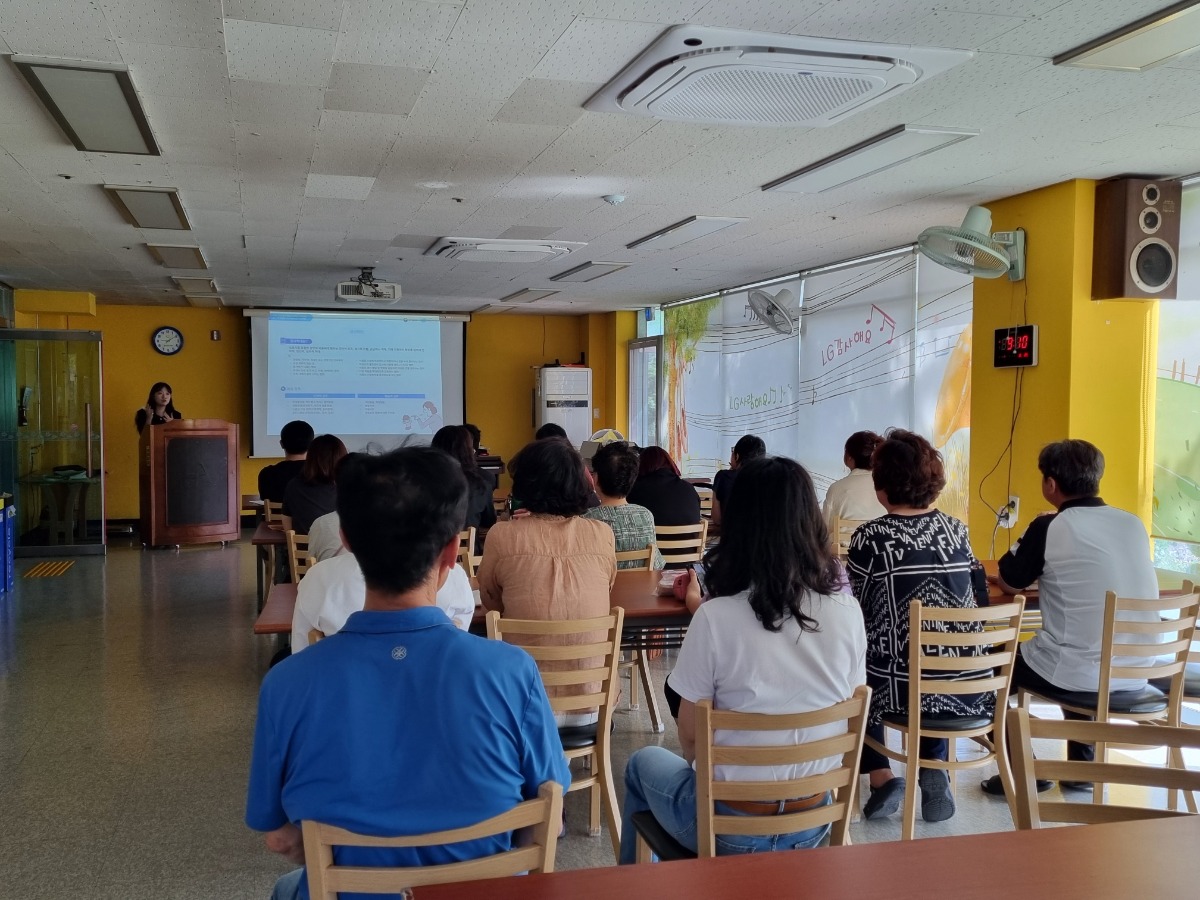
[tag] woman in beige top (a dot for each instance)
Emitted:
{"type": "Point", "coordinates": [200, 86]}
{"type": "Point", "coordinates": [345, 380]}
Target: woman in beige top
{"type": "Point", "coordinates": [552, 563]}
{"type": "Point", "coordinates": [853, 497]}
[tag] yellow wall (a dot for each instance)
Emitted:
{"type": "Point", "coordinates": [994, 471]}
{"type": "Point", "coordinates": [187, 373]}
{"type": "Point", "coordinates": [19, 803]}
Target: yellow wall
{"type": "Point", "coordinates": [1094, 374]}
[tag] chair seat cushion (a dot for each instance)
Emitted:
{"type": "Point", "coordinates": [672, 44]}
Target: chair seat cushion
{"type": "Point", "coordinates": [1191, 685]}
{"type": "Point", "coordinates": [1146, 700]}
{"type": "Point", "coordinates": [576, 737]}
{"type": "Point", "coordinates": [665, 847]}
{"type": "Point", "coordinates": [940, 723]}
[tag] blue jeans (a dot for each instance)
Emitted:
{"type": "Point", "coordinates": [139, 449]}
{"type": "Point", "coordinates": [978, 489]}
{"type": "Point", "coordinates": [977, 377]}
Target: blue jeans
{"type": "Point", "coordinates": [288, 886]}
{"type": "Point", "coordinates": [663, 783]}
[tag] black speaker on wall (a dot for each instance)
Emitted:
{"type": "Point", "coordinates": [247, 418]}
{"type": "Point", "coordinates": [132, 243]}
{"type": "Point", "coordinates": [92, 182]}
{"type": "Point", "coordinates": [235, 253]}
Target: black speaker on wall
{"type": "Point", "coordinates": [1135, 250]}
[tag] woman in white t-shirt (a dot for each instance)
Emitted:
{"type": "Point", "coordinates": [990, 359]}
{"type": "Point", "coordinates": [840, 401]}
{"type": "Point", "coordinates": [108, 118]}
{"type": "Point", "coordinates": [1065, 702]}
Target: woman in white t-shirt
{"type": "Point", "coordinates": [777, 636]}
{"type": "Point", "coordinates": [853, 497]}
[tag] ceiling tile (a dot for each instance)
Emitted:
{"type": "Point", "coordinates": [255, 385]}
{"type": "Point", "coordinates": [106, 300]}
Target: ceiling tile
{"type": "Point", "coordinates": [541, 101]}
{"type": "Point", "coordinates": [260, 102]}
{"type": "Point", "coordinates": [173, 24]}
{"type": "Point", "coordinates": [323, 14]}
{"type": "Point", "coordinates": [519, 23]}
{"type": "Point", "coordinates": [395, 32]}
{"type": "Point", "coordinates": [283, 54]}
{"type": "Point", "coordinates": [374, 89]}
{"type": "Point", "coordinates": [64, 30]}
{"type": "Point", "coordinates": [338, 187]}
{"type": "Point", "coordinates": [594, 50]}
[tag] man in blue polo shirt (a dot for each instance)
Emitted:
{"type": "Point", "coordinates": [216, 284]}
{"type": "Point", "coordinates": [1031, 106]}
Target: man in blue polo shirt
{"type": "Point", "coordinates": [1077, 554]}
{"type": "Point", "coordinates": [400, 723]}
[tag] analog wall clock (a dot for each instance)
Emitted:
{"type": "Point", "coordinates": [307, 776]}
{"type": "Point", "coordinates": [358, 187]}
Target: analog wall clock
{"type": "Point", "coordinates": [167, 340]}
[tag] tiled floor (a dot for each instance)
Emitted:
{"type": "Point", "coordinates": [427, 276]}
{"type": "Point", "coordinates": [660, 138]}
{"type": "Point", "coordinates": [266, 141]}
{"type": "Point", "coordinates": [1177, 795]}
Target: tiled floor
{"type": "Point", "coordinates": [127, 696]}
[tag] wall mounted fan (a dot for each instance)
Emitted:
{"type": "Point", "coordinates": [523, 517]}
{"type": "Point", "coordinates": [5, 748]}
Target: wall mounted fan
{"type": "Point", "coordinates": [773, 311]}
{"type": "Point", "coordinates": [973, 249]}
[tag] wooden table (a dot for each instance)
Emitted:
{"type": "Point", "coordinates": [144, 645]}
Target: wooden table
{"type": "Point", "coordinates": [1119, 861]}
{"type": "Point", "coordinates": [636, 592]}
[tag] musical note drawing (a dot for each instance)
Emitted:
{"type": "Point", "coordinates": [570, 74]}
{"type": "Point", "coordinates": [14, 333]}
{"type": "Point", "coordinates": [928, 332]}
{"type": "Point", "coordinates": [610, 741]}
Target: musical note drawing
{"type": "Point", "coordinates": [888, 321]}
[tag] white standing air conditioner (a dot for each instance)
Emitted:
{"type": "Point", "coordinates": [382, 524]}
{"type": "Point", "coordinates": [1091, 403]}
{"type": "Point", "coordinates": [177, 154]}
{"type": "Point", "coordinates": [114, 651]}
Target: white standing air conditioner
{"type": "Point", "coordinates": [564, 397]}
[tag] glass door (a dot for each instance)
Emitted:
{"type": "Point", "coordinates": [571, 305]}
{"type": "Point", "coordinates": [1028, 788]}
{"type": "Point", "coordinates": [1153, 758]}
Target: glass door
{"type": "Point", "coordinates": [51, 449]}
{"type": "Point", "coordinates": [645, 391]}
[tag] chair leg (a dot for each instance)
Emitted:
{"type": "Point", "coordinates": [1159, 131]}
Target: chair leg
{"type": "Point", "coordinates": [909, 826]}
{"type": "Point", "coordinates": [651, 695]}
{"type": "Point", "coordinates": [612, 813]}
{"type": "Point", "coordinates": [594, 797]}
{"type": "Point", "coordinates": [643, 853]}
{"type": "Point", "coordinates": [635, 657]}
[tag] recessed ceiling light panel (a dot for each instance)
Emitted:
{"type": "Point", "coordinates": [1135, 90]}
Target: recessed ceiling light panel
{"type": "Point", "coordinates": [149, 207]}
{"type": "Point", "coordinates": [178, 256]}
{"type": "Point", "coordinates": [589, 271]}
{"type": "Point", "coordinates": [496, 250]}
{"type": "Point", "coordinates": [195, 285]}
{"type": "Point", "coordinates": [686, 230]}
{"type": "Point", "coordinates": [94, 104]}
{"type": "Point", "coordinates": [1148, 42]}
{"type": "Point", "coordinates": [900, 144]}
{"type": "Point", "coordinates": [208, 301]}
{"type": "Point", "coordinates": [526, 296]}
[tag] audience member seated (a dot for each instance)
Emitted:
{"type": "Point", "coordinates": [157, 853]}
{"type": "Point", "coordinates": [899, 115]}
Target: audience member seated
{"type": "Point", "coordinates": [273, 480]}
{"type": "Point", "coordinates": [616, 466]}
{"type": "Point", "coordinates": [550, 430]}
{"type": "Point", "coordinates": [551, 563]}
{"type": "Point", "coordinates": [476, 438]}
{"type": "Point", "coordinates": [313, 493]}
{"type": "Point", "coordinates": [1076, 555]}
{"type": "Point", "coordinates": [373, 729]}
{"type": "Point", "coordinates": [325, 537]}
{"type": "Point", "coordinates": [334, 589]}
{"type": "Point", "coordinates": [853, 497]}
{"type": "Point", "coordinates": [775, 637]}
{"type": "Point", "coordinates": [748, 447]}
{"type": "Point", "coordinates": [456, 440]}
{"type": "Point", "coordinates": [914, 552]}
{"type": "Point", "coordinates": [670, 499]}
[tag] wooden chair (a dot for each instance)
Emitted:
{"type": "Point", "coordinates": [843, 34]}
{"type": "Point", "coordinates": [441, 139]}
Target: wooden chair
{"type": "Point", "coordinates": [994, 640]}
{"type": "Point", "coordinates": [1128, 623]}
{"type": "Point", "coordinates": [273, 516]}
{"type": "Point", "coordinates": [589, 742]}
{"type": "Point", "coordinates": [326, 879]}
{"type": "Point", "coordinates": [840, 533]}
{"type": "Point", "coordinates": [298, 556]}
{"type": "Point", "coordinates": [842, 780]}
{"type": "Point", "coordinates": [706, 500]}
{"type": "Point", "coordinates": [1191, 694]}
{"type": "Point", "coordinates": [681, 543]}
{"type": "Point", "coordinates": [466, 550]}
{"type": "Point", "coordinates": [1029, 811]}
{"type": "Point", "coordinates": [314, 635]}
{"type": "Point", "coordinates": [635, 659]}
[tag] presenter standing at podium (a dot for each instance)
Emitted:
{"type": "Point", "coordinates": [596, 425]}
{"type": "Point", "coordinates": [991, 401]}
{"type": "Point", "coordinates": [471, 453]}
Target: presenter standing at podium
{"type": "Point", "coordinates": [158, 409]}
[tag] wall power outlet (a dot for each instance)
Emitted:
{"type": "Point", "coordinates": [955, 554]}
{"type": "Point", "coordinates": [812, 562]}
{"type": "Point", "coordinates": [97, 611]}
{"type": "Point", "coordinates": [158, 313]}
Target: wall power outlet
{"type": "Point", "coordinates": [1008, 513]}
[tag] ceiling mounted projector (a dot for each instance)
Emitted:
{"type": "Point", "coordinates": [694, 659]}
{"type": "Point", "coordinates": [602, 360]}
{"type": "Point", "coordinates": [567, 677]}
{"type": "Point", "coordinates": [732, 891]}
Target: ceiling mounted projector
{"type": "Point", "coordinates": [973, 249]}
{"type": "Point", "coordinates": [365, 287]}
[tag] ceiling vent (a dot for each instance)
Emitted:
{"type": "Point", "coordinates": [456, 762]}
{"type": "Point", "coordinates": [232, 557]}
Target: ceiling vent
{"type": "Point", "coordinates": [726, 77]}
{"type": "Point", "coordinates": [499, 251]}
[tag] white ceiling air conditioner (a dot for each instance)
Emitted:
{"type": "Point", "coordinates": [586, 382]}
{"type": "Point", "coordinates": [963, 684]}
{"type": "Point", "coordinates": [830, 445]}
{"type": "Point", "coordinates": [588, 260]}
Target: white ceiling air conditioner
{"type": "Point", "coordinates": [493, 250]}
{"type": "Point", "coordinates": [359, 292]}
{"type": "Point", "coordinates": [727, 77]}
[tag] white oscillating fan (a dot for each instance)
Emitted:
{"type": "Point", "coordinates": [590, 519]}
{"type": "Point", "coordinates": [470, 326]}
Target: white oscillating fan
{"type": "Point", "coordinates": [773, 311]}
{"type": "Point", "coordinates": [973, 249]}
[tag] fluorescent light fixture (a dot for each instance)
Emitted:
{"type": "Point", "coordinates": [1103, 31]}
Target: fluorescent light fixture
{"type": "Point", "coordinates": [178, 256]}
{"type": "Point", "coordinates": [859, 260]}
{"type": "Point", "coordinates": [760, 284]}
{"type": "Point", "coordinates": [589, 271]}
{"type": "Point", "coordinates": [696, 299]}
{"type": "Point", "coordinates": [526, 296]}
{"type": "Point", "coordinates": [149, 207]}
{"type": "Point", "coordinates": [199, 286]}
{"type": "Point", "coordinates": [94, 104]}
{"type": "Point", "coordinates": [1148, 42]}
{"type": "Point", "coordinates": [900, 144]}
{"type": "Point", "coordinates": [1190, 180]}
{"type": "Point", "coordinates": [687, 230]}
{"type": "Point", "coordinates": [205, 300]}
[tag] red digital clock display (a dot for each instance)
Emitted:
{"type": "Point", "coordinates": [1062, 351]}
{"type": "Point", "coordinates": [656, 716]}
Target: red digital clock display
{"type": "Point", "coordinates": [1016, 346]}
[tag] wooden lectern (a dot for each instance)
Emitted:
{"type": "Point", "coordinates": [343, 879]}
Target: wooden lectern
{"type": "Point", "coordinates": [188, 473]}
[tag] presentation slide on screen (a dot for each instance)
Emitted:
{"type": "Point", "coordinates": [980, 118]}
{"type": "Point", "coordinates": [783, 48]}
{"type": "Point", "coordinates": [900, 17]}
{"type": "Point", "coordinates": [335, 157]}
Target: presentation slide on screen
{"type": "Point", "coordinates": [374, 380]}
{"type": "Point", "coordinates": [345, 372]}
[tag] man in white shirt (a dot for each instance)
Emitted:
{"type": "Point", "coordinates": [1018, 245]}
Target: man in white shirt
{"type": "Point", "coordinates": [1076, 555]}
{"type": "Point", "coordinates": [335, 588]}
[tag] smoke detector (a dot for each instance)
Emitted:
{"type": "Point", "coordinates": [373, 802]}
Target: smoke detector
{"type": "Point", "coordinates": [723, 76]}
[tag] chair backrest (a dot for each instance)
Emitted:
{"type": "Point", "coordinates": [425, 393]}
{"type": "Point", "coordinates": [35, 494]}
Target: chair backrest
{"type": "Point", "coordinates": [298, 555]}
{"type": "Point", "coordinates": [314, 635]}
{"type": "Point", "coordinates": [681, 543]}
{"type": "Point", "coordinates": [1030, 811]}
{"type": "Point", "coordinates": [706, 500]}
{"type": "Point", "coordinates": [543, 814]}
{"type": "Point", "coordinates": [963, 651]}
{"type": "Point", "coordinates": [643, 558]}
{"type": "Point", "coordinates": [840, 532]}
{"type": "Point", "coordinates": [1150, 639]}
{"type": "Point", "coordinates": [842, 780]}
{"type": "Point", "coordinates": [553, 646]}
{"type": "Point", "coordinates": [466, 550]}
{"type": "Point", "coordinates": [273, 512]}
